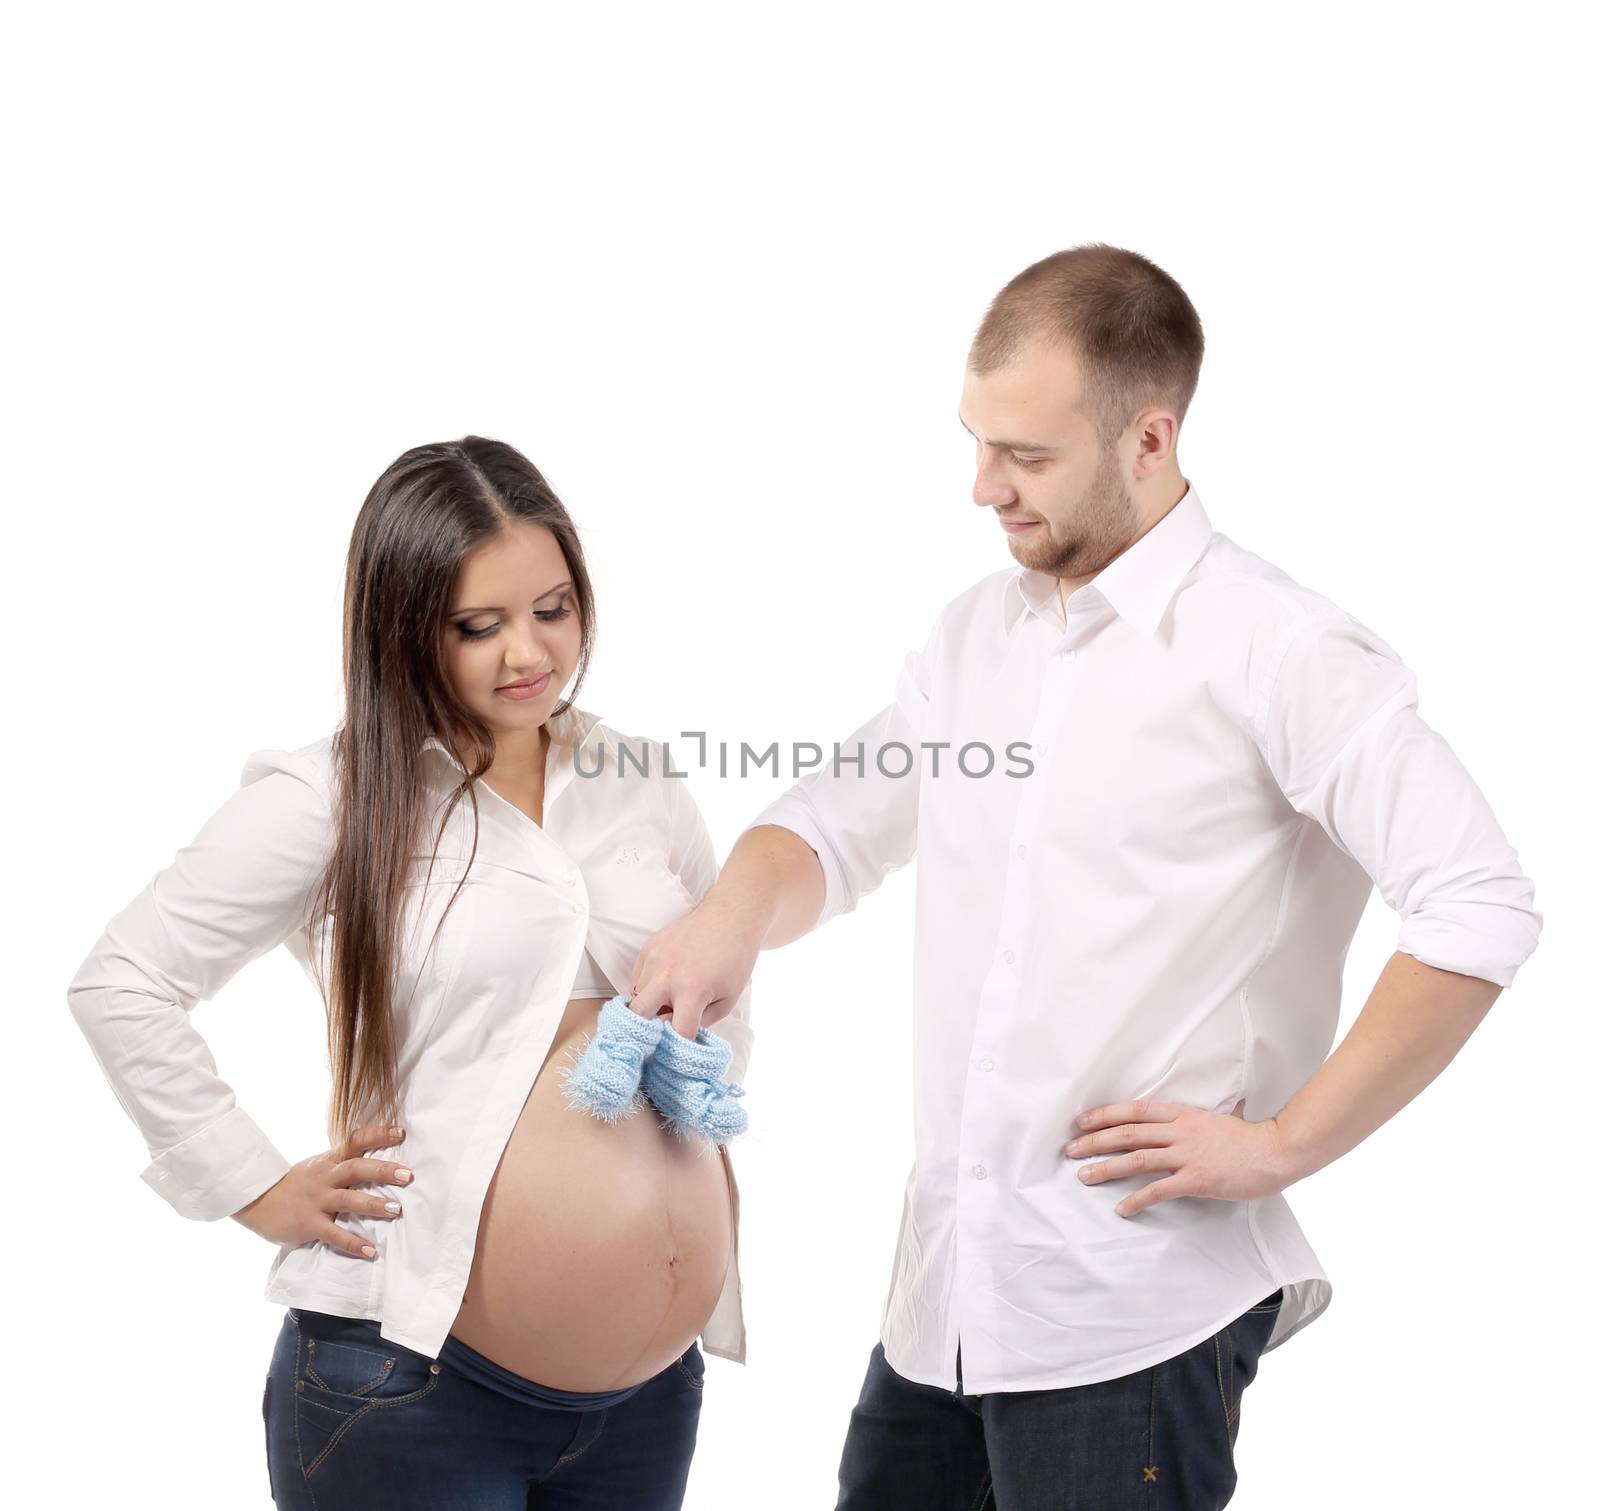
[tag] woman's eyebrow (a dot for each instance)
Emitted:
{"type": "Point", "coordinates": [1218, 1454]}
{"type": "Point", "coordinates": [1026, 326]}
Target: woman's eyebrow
{"type": "Point", "coordinates": [499, 609]}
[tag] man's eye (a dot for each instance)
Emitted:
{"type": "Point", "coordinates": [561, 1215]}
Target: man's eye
{"type": "Point", "coordinates": [1028, 462]}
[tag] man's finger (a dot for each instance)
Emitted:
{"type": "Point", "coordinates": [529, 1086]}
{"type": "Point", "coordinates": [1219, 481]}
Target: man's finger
{"type": "Point", "coordinates": [641, 971]}
{"type": "Point", "coordinates": [649, 1002]}
{"type": "Point", "coordinates": [686, 1015]}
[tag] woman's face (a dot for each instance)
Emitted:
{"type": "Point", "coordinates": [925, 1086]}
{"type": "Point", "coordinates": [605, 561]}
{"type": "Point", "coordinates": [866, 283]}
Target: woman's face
{"type": "Point", "coordinates": [513, 619]}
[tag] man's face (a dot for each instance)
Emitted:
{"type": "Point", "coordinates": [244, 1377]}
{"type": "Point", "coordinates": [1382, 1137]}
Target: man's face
{"type": "Point", "coordinates": [1059, 496]}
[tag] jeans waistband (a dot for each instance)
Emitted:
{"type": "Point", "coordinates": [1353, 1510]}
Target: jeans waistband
{"type": "Point", "coordinates": [469, 1362]}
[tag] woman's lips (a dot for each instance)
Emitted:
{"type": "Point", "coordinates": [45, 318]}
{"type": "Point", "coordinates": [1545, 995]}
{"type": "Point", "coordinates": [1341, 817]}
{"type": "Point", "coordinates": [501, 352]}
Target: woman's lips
{"type": "Point", "coordinates": [524, 690]}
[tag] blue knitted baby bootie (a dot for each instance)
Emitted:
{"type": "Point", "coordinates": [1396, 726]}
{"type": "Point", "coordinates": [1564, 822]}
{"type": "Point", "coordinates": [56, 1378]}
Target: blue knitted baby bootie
{"type": "Point", "coordinates": [683, 1077]}
{"type": "Point", "coordinates": [606, 1077]}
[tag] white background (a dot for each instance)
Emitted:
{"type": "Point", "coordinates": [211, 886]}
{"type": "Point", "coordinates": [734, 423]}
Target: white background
{"type": "Point", "coordinates": [715, 270]}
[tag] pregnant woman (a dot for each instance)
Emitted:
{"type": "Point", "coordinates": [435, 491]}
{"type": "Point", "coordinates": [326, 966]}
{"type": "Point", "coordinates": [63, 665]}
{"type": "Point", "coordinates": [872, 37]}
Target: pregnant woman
{"type": "Point", "coordinates": [491, 1297]}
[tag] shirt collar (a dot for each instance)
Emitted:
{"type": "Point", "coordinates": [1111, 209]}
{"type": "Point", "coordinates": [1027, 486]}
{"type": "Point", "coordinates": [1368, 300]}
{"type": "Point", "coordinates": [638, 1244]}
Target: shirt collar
{"type": "Point", "coordinates": [1139, 584]}
{"type": "Point", "coordinates": [571, 727]}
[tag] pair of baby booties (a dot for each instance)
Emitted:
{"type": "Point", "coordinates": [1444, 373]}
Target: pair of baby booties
{"type": "Point", "coordinates": [683, 1077]}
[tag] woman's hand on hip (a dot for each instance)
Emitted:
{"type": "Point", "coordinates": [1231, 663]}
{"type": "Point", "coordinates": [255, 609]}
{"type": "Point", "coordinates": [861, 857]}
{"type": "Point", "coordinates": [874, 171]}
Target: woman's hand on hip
{"type": "Point", "coordinates": [302, 1206]}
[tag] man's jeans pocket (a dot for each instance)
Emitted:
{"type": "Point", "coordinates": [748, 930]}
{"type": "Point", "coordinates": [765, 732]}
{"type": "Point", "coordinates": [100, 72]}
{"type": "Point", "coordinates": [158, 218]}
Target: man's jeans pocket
{"type": "Point", "coordinates": [1238, 1348]}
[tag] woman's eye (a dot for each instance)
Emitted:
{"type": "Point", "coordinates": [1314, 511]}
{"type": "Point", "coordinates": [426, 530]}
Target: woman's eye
{"type": "Point", "coordinates": [549, 616]}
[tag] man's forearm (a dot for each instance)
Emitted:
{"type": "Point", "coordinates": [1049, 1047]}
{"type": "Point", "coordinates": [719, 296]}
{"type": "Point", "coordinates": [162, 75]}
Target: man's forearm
{"type": "Point", "coordinates": [771, 885]}
{"type": "Point", "coordinates": [1413, 1023]}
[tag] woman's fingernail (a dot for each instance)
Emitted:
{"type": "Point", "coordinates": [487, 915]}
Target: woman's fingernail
{"type": "Point", "coordinates": [368, 1250]}
{"type": "Point", "coordinates": [391, 1206]}
{"type": "Point", "coordinates": [397, 1133]}
{"type": "Point", "coordinates": [402, 1174]}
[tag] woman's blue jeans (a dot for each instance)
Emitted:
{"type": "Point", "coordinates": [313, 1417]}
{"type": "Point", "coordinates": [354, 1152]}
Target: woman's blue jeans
{"type": "Point", "coordinates": [355, 1422]}
{"type": "Point", "coordinates": [1160, 1439]}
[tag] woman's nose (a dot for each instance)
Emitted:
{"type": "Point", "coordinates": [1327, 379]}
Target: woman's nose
{"type": "Point", "coordinates": [525, 650]}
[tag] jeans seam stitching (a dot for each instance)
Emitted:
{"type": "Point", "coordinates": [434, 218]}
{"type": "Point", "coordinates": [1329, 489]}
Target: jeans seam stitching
{"type": "Point", "coordinates": [299, 1452]}
{"type": "Point", "coordinates": [1234, 1387]}
{"type": "Point", "coordinates": [568, 1458]}
{"type": "Point", "coordinates": [376, 1380]}
{"type": "Point", "coordinates": [699, 1384]}
{"type": "Point", "coordinates": [1223, 1388]}
{"type": "Point", "coordinates": [1150, 1445]}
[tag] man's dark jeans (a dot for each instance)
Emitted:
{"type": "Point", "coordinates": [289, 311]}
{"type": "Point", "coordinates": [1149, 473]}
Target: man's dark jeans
{"type": "Point", "coordinates": [1160, 1439]}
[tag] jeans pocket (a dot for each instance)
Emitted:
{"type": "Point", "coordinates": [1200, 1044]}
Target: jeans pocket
{"type": "Point", "coordinates": [345, 1372]}
{"type": "Point", "coordinates": [1239, 1347]}
{"type": "Point", "coordinates": [349, 1369]}
{"type": "Point", "coordinates": [692, 1366]}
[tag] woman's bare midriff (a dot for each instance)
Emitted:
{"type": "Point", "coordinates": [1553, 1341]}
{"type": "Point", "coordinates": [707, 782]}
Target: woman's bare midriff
{"type": "Point", "coordinates": [602, 1248]}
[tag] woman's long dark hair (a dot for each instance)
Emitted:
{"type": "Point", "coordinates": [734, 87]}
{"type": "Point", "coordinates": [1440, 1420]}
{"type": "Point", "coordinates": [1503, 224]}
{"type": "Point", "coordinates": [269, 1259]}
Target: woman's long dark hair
{"type": "Point", "coordinates": [430, 508]}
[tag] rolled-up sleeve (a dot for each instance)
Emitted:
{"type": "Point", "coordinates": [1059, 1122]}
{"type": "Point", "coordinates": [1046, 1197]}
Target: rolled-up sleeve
{"type": "Point", "coordinates": [244, 884]}
{"type": "Point", "coordinates": [1339, 729]}
{"type": "Point", "coordinates": [858, 810]}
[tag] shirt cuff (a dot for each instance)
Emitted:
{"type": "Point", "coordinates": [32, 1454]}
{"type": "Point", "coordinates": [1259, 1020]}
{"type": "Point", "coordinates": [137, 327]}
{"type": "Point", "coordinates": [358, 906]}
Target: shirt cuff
{"type": "Point", "coordinates": [794, 813]}
{"type": "Point", "coordinates": [1493, 946]}
{"type": "Point", "coordinates": [215, 1172]}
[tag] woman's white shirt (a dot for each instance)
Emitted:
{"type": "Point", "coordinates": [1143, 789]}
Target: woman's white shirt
{"type": "Point", "coordinates": [623, 851]}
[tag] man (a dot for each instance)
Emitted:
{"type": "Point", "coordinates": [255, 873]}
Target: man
{"type": "Point", "coordinates": [1128, 957]}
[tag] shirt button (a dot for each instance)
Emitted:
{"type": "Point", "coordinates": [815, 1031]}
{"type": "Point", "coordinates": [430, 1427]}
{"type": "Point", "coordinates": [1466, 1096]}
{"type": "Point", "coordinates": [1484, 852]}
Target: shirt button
{"type": "Point", "coordinates": [1068, 655]}
{"type": "Point", "coordinates": [980, 1172]}
{"type": "Point", "coordinates": [578, 907]}
{"type": "Point", "coordinates": [570, 879]}
{"type": "Point", "coordinates": [1044, 749]}
{"type": "Point", "coordinates": [1022, 852]}
{"type": "Point", "coordinates": [1009, 956]}
{"type": "Point", "coordinates": [986, 1063]}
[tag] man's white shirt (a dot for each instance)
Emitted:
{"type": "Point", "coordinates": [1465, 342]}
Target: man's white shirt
{"type": "Point", "coordinates": [1145, 830]}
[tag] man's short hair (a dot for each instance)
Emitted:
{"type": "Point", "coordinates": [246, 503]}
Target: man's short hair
{"type": "Point", "coordinates": [1129, 323]}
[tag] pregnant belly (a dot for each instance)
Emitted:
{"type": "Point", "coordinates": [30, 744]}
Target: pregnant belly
{"type": "Point", "coordinates": [601, 1249]}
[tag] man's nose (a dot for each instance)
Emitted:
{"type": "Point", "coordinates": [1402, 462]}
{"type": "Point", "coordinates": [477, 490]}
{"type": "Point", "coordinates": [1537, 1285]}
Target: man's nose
{"type": "Point", "coordinates": [990, 489]}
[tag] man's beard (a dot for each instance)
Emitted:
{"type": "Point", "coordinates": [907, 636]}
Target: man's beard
{"type": "Point", "coordinates": [1102, 525]}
